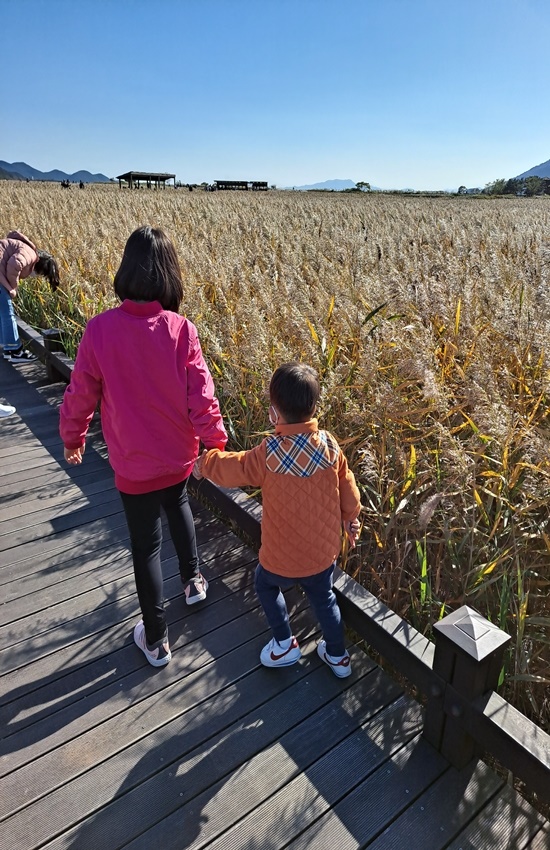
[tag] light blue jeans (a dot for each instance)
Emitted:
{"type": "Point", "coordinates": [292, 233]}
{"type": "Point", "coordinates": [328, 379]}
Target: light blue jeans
{"type": "Point", "coordinates": [9, 333]}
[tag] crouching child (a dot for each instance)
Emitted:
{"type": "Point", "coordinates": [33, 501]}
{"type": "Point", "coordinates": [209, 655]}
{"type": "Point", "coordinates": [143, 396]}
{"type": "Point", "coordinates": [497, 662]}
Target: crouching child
{"type": "Point", "coordinates": [308, 494]}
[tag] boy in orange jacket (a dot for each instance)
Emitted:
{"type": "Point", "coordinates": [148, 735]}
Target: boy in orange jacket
{"type": "Point", "coordinates": [308, 493]}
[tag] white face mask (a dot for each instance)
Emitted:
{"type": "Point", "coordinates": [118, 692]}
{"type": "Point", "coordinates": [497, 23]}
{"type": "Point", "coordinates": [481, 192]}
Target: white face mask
{"type": "Point", "coordinates": [273, 415]}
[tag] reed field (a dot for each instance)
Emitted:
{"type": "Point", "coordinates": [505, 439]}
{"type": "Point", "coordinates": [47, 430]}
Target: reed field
{"type": "Point", "coordinates": [429, 322]}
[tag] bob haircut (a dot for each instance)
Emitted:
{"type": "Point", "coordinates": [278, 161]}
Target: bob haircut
{"type": "Point", "coordinates": [294, 391]}
{"type": "Point", "coordinates": [149, 270]}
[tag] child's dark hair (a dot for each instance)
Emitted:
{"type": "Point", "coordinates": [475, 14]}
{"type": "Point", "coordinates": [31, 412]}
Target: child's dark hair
{"type": "Point", "coordinates": [46, 266]}
{"type": "Point", "coordinates": [150, 270]}
{"type": "Point", "coordinates": [294, 391]}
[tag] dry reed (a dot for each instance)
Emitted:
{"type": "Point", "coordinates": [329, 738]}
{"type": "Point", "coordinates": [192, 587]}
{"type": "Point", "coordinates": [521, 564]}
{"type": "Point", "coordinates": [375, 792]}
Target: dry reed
{"type": "Point", "coordinates": [428, 320]}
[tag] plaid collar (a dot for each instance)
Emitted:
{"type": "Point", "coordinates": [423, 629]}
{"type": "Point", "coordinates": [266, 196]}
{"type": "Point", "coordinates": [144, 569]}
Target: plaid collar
{"type": "Point", "coordinates": [301, 454]}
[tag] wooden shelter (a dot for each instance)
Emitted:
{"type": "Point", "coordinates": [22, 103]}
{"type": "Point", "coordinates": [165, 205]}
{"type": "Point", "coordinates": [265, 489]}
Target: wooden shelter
{"type": "Point", "coordinates": [134, 179]}
{"type": "Point", "coordinates": [244, 185]}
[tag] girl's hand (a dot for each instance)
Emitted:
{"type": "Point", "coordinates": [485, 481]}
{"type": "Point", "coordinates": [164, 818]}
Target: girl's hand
{"type": "Point", "coordinates": [197, 468]}
{"type": "Point", "coordinates": [74, 456]}
{"type": "Point", "coordinates": [352, 529]}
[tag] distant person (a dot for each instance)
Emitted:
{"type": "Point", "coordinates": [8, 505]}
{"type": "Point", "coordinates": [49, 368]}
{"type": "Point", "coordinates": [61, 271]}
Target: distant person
{"type": "Point", "coordinates": [19, 259]}
{"type": "Point", "coordinates": [6, 410]}
{"type": "Point", "coordinates": [308, 495]}
{"type": "Point", "coordinates": [144, 363]}
{"type": "Point", "coordinates": [81, 184]}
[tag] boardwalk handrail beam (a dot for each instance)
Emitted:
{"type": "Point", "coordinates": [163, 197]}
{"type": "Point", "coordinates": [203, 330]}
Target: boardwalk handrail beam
{"type": "Point", "coordinates": [457, 674]}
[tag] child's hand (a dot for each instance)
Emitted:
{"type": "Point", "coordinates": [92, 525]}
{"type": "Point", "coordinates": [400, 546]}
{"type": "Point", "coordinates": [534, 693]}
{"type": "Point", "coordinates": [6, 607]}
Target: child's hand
{"type": "Point", "coordinates": [74, 456]}
{"type": "Point", "coordinates": [197, 469]}
{"type": "Point", "coordinates": [352, 528]}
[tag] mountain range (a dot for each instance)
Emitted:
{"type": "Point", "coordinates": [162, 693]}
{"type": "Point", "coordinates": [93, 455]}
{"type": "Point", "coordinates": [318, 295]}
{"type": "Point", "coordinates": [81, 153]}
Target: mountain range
{"type": "Point", "coordinates": [22, 171]}
{"type": "Point", "coordinates": [542, 170]}
{"type": "Point", "coordinates": [328, 185]}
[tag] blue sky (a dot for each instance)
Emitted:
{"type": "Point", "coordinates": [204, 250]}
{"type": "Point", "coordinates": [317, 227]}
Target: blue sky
{"type": "Point", "coordinates": [420, 94]}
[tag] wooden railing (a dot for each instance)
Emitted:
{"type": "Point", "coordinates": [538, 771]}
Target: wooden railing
{"type": "Point", "coordinates": [456, 675]}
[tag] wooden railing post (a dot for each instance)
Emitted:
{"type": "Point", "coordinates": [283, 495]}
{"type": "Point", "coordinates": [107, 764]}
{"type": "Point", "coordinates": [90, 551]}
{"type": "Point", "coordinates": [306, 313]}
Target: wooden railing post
{"type": "Point", "coordinates": [52, 344]}
{"type": "Point", "coordinates": [469, 652]}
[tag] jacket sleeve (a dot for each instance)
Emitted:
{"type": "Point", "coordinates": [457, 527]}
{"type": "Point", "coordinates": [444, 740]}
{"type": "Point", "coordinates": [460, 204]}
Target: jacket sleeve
{"type": "Point", "coordinates": [14, 267]}
{"type": "Point", "coordinates": [204, 408]}
{"type": "Point", "coordinates": [81, 396]}
{"type": "Point", "coordinates": [350, 499]}
{"type": "Point", "coordinates": [235, 469]}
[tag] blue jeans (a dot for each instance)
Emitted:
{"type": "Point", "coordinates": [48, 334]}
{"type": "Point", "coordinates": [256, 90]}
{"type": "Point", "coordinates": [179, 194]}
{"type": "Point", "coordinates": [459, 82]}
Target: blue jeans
{"type": "Point", "coordinates": [9, 333]}
{"type": "Point", "coordinates": [318, 589]}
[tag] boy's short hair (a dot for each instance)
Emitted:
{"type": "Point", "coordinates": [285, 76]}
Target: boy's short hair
{"type": "Point", "coordinates": [294, 390]}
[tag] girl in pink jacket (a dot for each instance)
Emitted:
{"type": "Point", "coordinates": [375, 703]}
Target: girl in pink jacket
{"type": "Point", "coordinates": [19, 259]}
{"type": "Point", "coordinates": [143, 363]}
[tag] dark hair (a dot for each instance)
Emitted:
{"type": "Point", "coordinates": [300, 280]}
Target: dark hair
{"type": "Point", "coordinates": [150, 270]}
{"type": "Point", "coordinates": [294, 390]}
{"type": "Point", "coordinates": [47, 267]}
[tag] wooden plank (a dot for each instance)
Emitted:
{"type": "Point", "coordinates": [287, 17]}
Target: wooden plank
{"type": "Point", "coordinates": [210, 806]}
{"type": "Point", "coordinates": [48, 498]}
{"type": "Point", "coordinates": [206, 750]}
{"type": "Point", "coordinates": [49, 531]}
{"type": "Point", "coordinates": [41, 591]}
{"type": "Point", "coordinates": [94, 531]}
{"type": "Point", "coordinates": [46, 577]}
{"type": "Point", "coordinates": [52, 683]}
{"type": "Point", "coordinates": [358, 816]}
{"type": "Point", "coordinates": [439, 815]}
{"type": "Point", "coordinates": [53, 515]}
{"type": "Point", "coordinates": [541, 840]}
{"type": "Point", "coordinates": [65, 633]}
{"type": "Point", "coordinates": [17, 486]}
{"type": "Point", "coordinates": [55, 755]}
{"type": "Point", "coordinates": [507, 821]}
{"type": "Point", "coordinates": [194, 720]}
{"type": "Point", "coordinates": [309, 791]}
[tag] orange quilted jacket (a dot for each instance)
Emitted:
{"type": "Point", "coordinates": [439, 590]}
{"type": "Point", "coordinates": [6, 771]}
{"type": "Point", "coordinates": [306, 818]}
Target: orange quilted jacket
{"type": "Point", "coordinates": [307, 492]}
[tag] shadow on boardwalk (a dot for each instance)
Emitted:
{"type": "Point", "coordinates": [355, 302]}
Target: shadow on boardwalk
{"type": "Point", "coordinates": [99, 750]}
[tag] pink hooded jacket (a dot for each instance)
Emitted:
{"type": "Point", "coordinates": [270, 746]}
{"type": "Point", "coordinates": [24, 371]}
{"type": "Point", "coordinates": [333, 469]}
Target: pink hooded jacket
{"type": "Point", "coordinates": [18, 257]}
{"type": "Point", "coordinates": [145, 365]}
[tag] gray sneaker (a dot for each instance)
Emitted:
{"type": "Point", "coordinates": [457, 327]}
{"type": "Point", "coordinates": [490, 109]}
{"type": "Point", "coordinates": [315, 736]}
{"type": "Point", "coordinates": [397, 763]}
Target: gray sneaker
{"type": "Point", "coordinates": [20, 355]}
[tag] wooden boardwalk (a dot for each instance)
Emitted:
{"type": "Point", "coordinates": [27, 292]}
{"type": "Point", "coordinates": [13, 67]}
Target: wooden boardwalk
{"type": "Point", "coordinates": [101, 751]}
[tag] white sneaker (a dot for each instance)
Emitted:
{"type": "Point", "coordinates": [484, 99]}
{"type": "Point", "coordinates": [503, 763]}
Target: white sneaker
{"type": "Point", "coordinates": [274, 655]}
{"type": "Point", "coordinates": [158, 655]}
{"type": "Point", "coordinates": [6, 410]}
{"type": "Point", "coordinates": [340, 665]}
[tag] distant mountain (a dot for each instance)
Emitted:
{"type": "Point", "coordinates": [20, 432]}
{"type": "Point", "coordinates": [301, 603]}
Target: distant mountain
{"type": "Point", "coordinates": [542, 170]}
{"type": "Point", "coordinates": [9, 175]}
{"type": "Point", "coordinates": [330, 185]}
{"type": "Point", "coordinates": [21, 170]}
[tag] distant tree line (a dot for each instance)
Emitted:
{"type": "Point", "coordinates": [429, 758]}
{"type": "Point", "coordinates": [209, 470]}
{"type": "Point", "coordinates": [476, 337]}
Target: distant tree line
{"type": "Point", "coordinates": [526, 186]}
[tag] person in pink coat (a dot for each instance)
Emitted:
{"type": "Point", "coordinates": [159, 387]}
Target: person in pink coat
{"type": "Point", "coordinates": [143, 363]}
{"type": "Point", "coordinates": [19, 259]}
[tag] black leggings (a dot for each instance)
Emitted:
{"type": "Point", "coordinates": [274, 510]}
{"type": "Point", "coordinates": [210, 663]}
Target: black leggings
{"type": "Point", "coordinates": [145, 527]}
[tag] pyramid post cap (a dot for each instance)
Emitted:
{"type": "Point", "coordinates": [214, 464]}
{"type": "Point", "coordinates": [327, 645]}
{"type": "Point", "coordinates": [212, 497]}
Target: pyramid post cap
{"type": "Point", "coordinates": [472, 632]}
